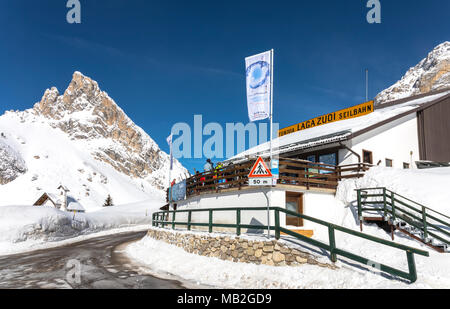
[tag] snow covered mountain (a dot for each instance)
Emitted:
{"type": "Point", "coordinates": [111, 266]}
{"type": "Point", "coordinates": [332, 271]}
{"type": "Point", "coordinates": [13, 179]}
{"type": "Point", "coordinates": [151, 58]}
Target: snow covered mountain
{"type": "Point", "coordinates": [84, 140]}
{"type": "Point", "coordinates": [432, 73]}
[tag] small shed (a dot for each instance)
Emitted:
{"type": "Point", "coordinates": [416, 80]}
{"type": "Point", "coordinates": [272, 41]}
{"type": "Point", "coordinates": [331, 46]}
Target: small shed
{"type": "Point", "coordinates": [76, 207]}
{"type": "Point", "coordinates": [49, 200]}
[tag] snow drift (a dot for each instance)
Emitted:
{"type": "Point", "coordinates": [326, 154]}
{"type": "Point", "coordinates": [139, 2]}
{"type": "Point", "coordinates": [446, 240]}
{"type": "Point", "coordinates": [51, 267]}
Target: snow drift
{"type": "Point", "coordinates": [24, 228]}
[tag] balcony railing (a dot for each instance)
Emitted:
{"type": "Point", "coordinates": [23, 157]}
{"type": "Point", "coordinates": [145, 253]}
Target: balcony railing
{"type": "Point", "coordinates": [293, 172]}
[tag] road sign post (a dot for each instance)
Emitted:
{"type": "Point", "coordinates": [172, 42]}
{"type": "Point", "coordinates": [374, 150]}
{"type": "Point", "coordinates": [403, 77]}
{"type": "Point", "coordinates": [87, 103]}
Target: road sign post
{"type": "Point", "coordinates": [261, 176]}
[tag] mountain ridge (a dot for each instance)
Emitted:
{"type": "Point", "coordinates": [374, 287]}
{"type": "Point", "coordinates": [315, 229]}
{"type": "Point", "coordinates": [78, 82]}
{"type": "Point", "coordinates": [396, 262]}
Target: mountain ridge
{"type": "Point", "coordinates": [88, 126]}
{"type": "Point", "coordinates": [430, 74]}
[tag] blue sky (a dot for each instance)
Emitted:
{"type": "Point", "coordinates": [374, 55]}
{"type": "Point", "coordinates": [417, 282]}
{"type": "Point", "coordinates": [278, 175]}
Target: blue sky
{"type": "Point", "coordinates": [164, 61]}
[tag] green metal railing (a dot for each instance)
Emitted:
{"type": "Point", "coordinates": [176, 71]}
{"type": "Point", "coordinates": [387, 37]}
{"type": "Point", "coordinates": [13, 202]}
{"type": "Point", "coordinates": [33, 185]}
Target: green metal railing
{"type": "Point", "coordinates": [393, 205]}
{"type": "Point", "coordinates": [162, 219]}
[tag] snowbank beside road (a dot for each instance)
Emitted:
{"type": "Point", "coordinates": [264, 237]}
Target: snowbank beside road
{"type": "Point", "coordinates": [27, 228]}
{"type": "Point", "coordinates": [161, 258]}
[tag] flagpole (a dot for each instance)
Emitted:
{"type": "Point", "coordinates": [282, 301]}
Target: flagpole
{"type": "Point", "coordinates": [271, 137]}
{"type": "Point", "coordinates": [170, 170]}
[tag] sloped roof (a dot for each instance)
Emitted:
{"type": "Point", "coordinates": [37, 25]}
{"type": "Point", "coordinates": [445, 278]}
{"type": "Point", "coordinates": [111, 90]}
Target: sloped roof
{"type": "Point", "coordinates": [75, 206]}
{"type": "Point", "coordinates": [64, 188]}
{"type": "Point", "coordinates": [55, 198]}
{"type": "Point", "coordinates": [44, 197]}
{"type": "Point", "coordinates": [345, 129]}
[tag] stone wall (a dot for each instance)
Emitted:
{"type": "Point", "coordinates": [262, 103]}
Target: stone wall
{"type": "Point", "coordinates": [236, 249]}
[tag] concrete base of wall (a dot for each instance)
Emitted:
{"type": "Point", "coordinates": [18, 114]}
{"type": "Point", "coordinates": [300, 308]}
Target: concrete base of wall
{"type": "Point", "coordinates": [236, 249]}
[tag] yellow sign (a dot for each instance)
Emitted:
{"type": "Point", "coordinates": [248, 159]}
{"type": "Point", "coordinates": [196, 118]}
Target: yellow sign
{"type": "Point", "coordinates": [348, 113]}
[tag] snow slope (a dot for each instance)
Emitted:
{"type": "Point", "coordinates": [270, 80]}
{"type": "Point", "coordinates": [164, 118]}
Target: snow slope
{"type": "Point", "coordinates": [83, 140]}
{"type": "Point", "coordinates": [429, 187]}
{"type": "Point", "coordinates": [53, 158]}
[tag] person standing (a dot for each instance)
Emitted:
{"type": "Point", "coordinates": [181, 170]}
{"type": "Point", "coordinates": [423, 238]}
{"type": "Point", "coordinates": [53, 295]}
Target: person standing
{"type": "Point", "coordinates": [209, 166]}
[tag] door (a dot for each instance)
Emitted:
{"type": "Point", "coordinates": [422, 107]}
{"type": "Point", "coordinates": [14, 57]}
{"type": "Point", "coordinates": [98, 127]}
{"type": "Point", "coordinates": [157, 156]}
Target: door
{"type": "Point", "coordinates": [434, 132]}
{"type": "Point", "coordinates": [294, 202]}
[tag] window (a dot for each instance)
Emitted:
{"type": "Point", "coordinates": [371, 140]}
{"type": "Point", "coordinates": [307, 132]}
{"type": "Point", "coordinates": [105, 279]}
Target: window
{"type": "Point", "coordinates": [311, 158]}
{"type": "Point", "coordinates": [388, 163]}
{"type": "Point", "coordinates": [330, 159]}
{"type": "Point", "coordinates": [367, 157]}
{"type": "Point", "coordinates": [406, 166]}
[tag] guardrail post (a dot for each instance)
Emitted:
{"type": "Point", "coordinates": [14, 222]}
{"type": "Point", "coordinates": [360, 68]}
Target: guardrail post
{"type": "Point", "coordinates": [189, 220]}
{"type": "Point", "coordinates": [166, 218]}
{"type": "Point", "coordinates": [238, 222]}
{"type": "Point", "coordinates": [394, 217]}
{"type": "Point", "coordinates": [360, 209]}
{"type": "Point", "coordinates": [425, 225]}
{"type": "Point", "coordinates": [173, 219]}
{"type": "Point", "coordinates": [332, 237]}
{"type": "Point", "coordinates": [277, 224]}
{"type": "Point", "coordinates": [411, 266]}
{"type": "Point", "coordinates": [210, 221]}
{"type": "Point", "coordinates": [385, 204]}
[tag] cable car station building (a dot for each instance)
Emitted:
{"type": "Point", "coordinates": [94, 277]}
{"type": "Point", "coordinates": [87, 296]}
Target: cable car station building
{"type": "Point", "coordinates": [315, 155]}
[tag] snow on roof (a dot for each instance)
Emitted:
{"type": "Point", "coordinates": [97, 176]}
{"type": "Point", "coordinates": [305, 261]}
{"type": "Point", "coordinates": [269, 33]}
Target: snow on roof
{"type": "Point", "coordinates": [55, 198]}
{"type": "Point", "coordinates": [337, 131]}
{"type": "Point", "coordinates": [75, 206]}
{"type": "Point", "coordinates": [64, 188]}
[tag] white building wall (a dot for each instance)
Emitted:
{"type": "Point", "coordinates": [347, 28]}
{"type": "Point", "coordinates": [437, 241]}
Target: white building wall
{"type": "Point", "coordinates": [397, 141]}
{"type": "Point", "coordinates": [244, 198]}
{"type": "Point", "coordinates": [315, 204]}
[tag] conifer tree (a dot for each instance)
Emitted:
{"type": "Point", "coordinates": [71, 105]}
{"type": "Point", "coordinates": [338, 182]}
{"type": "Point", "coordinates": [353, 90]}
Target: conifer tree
{"type": "Point", "coordinates": [108, 202]}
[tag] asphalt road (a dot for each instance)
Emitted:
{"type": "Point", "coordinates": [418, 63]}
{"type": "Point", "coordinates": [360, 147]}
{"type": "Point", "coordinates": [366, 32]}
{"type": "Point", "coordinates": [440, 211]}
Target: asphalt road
{"type": "Point", "coordinates": [92, 264]}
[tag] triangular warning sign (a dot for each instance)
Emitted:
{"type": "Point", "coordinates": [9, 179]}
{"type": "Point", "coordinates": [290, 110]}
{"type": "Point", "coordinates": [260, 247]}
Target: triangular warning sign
{"type": "Point", "coordinates": [260, 170]}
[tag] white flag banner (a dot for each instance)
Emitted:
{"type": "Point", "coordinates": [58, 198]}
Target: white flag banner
{"type": "Point", "coordinates": [169, 141]}
{"type": "Point", "coordinates": [259, 85]}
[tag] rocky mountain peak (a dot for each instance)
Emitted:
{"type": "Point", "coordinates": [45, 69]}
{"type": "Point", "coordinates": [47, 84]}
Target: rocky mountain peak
{"type": "Point", "coordinates": [432, 73]}
{"type": "Point", "coordinates": [85, 112]}
{"type": "Point", "coordinates": [82, 94]}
